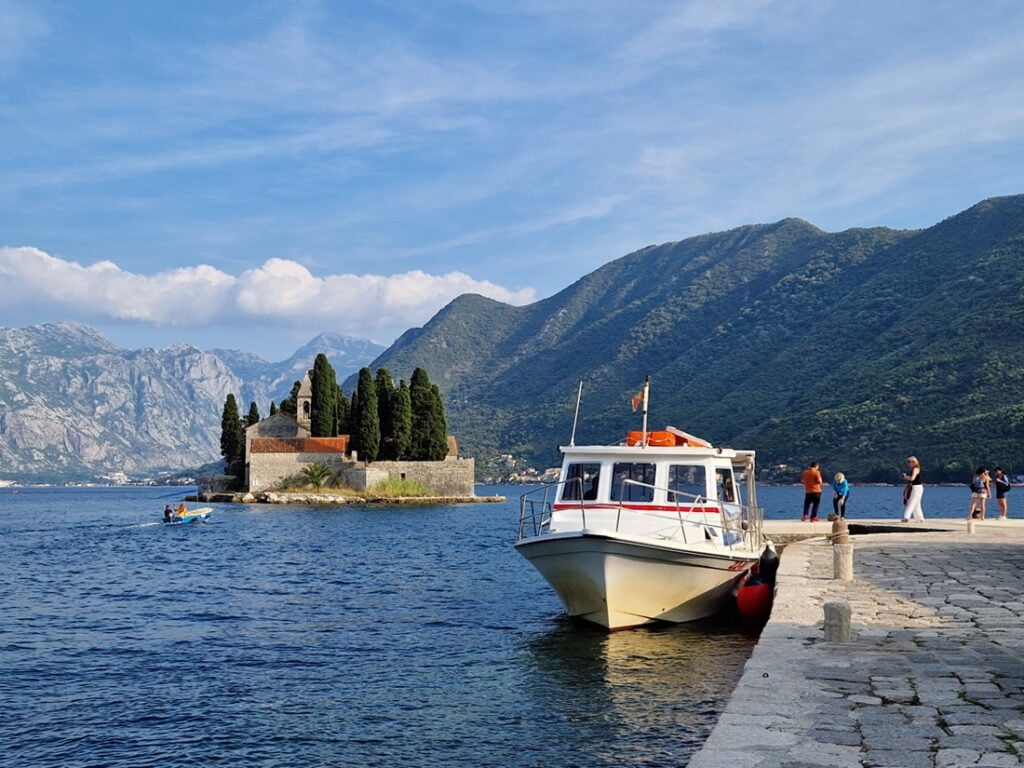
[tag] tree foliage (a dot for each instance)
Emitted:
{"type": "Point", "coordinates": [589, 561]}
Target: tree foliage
{"type": "Point", "coordinates": [385, 387]}
{"type": "Point", "coordinates": [317, 474]}
{"type": "Point", "coordinates": [273, 408]}
{"type": "Point", "coordinates": [341, 408]}
{"type": "Point", "coordinates": [290, 404]}
{"type": "Point", "coordinates": [401, 422]}
{"type": "Point", "coordinates": [367, 433]}
{"type": "Point", "coordinates": [323, 402]}
{"type": "Point", "coordinates": [232, 439]}
{"type": "Point", "coordinates": [428, 433]}
{"type": "Point", "coordinates": [254, 414]}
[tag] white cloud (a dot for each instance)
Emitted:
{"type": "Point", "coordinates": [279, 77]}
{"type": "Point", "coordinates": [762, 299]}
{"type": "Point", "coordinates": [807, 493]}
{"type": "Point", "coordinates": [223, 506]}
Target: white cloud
{"type": "Point", "coordinates": [280, 293]}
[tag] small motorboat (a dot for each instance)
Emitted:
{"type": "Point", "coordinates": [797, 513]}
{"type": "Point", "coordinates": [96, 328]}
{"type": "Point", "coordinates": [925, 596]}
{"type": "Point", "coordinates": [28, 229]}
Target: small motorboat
{"type": "Point", "coordinates": [186, 517]}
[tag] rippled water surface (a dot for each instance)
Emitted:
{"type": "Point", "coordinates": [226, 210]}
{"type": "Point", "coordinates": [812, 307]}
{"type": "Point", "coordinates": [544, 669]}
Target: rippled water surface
{"type": "Point", "coordinates": [277, 636]}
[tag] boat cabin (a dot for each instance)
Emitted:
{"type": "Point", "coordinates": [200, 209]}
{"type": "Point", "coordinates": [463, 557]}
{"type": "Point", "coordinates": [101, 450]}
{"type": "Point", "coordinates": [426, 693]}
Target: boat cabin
{"type": "Point", "coordinates": [648, 476]}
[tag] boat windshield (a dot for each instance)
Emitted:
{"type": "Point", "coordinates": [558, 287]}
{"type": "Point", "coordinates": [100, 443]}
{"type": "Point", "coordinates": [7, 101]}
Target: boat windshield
{"type": "Point", "coordinates": [686, 482]}
{"type": "Point", "coordinates": [638, 472]}
{"type": "Point", "coordinates": [581, 482]}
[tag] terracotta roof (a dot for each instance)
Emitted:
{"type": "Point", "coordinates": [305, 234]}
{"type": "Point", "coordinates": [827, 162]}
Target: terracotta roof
{"type": "Point", "coordinates": [337, 444]}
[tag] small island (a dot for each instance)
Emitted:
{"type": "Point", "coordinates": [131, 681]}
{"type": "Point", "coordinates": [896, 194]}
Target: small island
{"type": "Point", "coordinates": [387, 444]}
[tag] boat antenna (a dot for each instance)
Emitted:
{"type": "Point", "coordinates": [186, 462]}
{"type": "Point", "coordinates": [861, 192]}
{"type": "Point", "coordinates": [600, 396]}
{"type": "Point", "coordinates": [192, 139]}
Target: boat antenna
{"type": "Point", "coordinates": [647, 393]}
{"type": "Point", "coordinates": [579, 396]}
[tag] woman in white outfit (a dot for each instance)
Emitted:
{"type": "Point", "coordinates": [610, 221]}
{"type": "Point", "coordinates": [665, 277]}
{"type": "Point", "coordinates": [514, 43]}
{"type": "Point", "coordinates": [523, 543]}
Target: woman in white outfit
{"type": "Point", "coordinates": [912, 510]}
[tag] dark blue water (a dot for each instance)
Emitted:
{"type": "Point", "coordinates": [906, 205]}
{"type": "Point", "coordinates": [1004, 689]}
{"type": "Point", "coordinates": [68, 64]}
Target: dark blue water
{"type": "Point", "coordinates": [277, 636]}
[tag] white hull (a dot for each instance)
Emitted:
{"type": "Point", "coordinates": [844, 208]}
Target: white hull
{"type": "Point", "coordinates": [620, 582]}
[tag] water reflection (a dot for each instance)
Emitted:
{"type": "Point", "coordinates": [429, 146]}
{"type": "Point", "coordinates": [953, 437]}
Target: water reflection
{"type": "Point", "coordinates": [645, 696]}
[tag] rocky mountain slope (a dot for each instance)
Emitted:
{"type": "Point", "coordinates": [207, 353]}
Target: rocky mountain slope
{"type": "Point", "coordinates": [855, 348]}
{"type": "Point", "coordinates": [74, 406]}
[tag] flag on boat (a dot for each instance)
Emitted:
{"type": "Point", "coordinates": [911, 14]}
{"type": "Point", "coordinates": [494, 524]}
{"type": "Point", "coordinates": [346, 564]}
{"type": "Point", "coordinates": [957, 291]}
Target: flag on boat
{"type": "Point", "coordinates": [637, 400]}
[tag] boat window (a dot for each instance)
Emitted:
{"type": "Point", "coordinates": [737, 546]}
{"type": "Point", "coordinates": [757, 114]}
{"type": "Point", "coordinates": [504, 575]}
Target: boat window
{"type": "Point", "coordinates": [686, 481]}
{"type": "Point", "coordinates": [637, 472]}
{"type": "Point", "coordinates": [726, 485]}
{"type": "Point", "coordinates": [581, 482]}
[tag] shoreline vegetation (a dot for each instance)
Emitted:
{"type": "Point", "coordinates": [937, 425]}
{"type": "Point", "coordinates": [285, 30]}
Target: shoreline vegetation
{"type": "Point", "coordinates": [324, 498]}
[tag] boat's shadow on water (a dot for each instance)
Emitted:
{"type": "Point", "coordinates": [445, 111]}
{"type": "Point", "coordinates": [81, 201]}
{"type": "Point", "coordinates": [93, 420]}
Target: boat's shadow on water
{"type": "Point", "coordinates": [645, 696]}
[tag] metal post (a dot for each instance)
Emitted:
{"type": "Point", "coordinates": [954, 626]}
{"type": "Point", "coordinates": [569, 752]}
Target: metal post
{"type": "Point", "coordinates": [575, 418]}
{"type": "Point", "coordinates": [647, 390]}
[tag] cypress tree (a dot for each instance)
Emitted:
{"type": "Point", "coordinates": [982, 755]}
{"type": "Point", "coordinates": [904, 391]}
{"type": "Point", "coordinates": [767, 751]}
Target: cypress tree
{"type": "Point", "coordinates": [322, 402]}
{"type": "Point", "coordinates": [232, 441]}
{"type": "Point", "coordinates": [401, 420]}
{"type": "Point", "coordinates": [273, 408]}
{"type": "Point", "coordinates": [351, 427]}
{"type": "Point", "coordinates": [341, 407]}
{"type": "Point", "coordinates": [290, 405]}
{"type": "Point", "coordinates": [367, 435]}
{"type": "Point", "coordinates": [254, 414]}
{"type": "Point", "coordinates": [421, 404]}
{"type": "Point", "coordinates": [438, 426]}
{"type": "Point", "coordinates": [385, 393]}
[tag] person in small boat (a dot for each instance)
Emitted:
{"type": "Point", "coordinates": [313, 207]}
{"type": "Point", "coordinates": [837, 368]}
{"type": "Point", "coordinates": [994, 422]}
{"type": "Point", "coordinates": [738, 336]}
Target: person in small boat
{"type": "Point", "coordinates": [841, 493]}
{"type": "Point", "coordinates": [168, 513]}
{"type": "Point", "coordinates": [181, 510]}
{"type": "Point", "coordinates": [811, 478]}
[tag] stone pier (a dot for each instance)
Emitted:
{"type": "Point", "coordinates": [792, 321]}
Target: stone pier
{"type": "Point", "coordinates": [933, 675]}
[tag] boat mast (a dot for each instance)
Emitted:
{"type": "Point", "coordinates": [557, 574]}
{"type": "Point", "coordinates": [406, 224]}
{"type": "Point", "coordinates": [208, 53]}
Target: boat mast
{"type": "Point", "coordinates": [575, 418]}
{"type": "Point", "coordinates": [647, 391]}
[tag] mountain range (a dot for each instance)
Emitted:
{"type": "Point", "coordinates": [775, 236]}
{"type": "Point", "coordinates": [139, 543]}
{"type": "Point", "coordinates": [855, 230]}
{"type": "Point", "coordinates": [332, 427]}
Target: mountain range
{"type": "Point", "coordinates": [75, 406]}
{"type": "Point", "coordinates": [853, 348]}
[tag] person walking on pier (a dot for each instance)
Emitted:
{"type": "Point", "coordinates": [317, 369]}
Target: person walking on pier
{"type": "Point", "coordinates": [842, 493]}
{"type": "Point", "coordinates": [811, 478]}
{"type": "Point", "coordinates": [915, 486]}
{"type": "Point", "coordinates": [1003, 487]}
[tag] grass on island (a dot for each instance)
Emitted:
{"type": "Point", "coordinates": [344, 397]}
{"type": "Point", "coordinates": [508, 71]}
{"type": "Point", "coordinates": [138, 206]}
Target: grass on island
{"type": "Point", "coordinates": [394, 488]}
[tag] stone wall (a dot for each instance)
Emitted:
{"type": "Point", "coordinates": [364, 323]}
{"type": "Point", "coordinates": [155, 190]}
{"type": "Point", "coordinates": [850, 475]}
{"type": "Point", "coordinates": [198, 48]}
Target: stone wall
{"type": "Point", "coordinates": [267, 470]}
{"type": "Point", "coordinates": [451, 477]}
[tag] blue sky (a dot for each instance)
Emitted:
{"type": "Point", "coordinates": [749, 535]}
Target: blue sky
{"type": "Point", "coordinates": [249, 174]}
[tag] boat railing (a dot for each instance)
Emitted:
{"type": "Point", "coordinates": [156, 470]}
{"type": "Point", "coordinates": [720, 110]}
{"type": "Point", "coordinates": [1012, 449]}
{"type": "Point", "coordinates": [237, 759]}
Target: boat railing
{"type": "Point", "coordinates": [535, 507]}
{"type": "Point", "coordinates": [746, 527]}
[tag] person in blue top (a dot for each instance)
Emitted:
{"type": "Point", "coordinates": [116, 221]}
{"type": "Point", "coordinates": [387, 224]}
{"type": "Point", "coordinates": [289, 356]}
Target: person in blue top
{"type": "Point", "coordinates": [842, 493]}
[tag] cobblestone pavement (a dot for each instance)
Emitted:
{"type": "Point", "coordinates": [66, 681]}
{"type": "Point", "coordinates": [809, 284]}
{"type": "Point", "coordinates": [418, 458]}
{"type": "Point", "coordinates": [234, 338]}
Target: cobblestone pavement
{"type": "Point", "coordinates": [934, 676]}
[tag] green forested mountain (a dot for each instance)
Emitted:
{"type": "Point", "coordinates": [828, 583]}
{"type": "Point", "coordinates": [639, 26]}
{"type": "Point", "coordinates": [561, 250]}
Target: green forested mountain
{"type": "Point", "coordinates": [855, 348]}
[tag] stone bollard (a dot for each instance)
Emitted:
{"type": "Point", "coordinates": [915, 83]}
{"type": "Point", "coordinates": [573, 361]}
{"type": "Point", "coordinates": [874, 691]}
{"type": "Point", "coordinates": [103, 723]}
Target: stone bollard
{"type": "Point", "coordinates": [842, 562]}
{"type": "Point", "coordinates": [837, 623]}
{"type": "Point", "coordinates": [840, 532]}
{"type": "Point", "coordinates": [970, 525]}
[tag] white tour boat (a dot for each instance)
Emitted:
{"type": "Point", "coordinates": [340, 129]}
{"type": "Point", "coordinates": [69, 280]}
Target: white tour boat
{"type": "Point", "coordinates": [655, 529]}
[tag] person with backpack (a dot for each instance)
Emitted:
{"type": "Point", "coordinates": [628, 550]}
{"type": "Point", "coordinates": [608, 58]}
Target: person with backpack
{"type": "Point", "coordinates": [979, 493]}
{"type": "Point", "coordinates": [1003, 487]}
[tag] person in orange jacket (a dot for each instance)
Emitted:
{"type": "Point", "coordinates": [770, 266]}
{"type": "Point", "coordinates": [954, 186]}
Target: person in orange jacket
{"type": "Point", "coordinates": [811, 478]}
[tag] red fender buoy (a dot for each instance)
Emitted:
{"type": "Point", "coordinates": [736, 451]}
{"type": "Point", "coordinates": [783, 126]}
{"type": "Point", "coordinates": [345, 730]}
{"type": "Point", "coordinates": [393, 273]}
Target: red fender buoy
{"type": "Point", "coordinates": [754, 600]}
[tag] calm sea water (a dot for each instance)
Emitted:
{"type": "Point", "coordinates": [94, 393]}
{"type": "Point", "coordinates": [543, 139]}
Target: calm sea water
{"type": "Point", "coordinates": [276, 636]}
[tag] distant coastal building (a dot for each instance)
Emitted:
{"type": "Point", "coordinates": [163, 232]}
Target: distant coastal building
{"type": "Point", "coordinates": [279, 446]}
